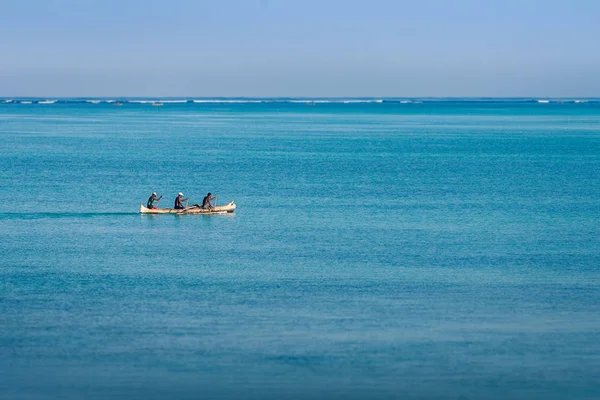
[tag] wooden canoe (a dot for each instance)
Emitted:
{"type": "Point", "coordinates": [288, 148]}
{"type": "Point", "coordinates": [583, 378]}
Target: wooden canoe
{"type": "Point", "coordinates": [228, 208]}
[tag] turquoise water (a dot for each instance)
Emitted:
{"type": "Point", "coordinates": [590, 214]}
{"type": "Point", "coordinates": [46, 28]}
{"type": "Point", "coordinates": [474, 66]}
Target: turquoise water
{"type": "Point", "coordinates": [444, 250]}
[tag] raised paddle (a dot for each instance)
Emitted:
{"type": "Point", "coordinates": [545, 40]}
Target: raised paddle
{"type": "Point", "coordinates": [183, 210]}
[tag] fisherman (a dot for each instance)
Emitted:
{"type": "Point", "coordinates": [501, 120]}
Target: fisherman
{"type": "Point", "coordinates": [179, 201]}
{"type": "Point", "coordinates": [151, 201]}
{"type": "Point", "coordinates": [206, 201]}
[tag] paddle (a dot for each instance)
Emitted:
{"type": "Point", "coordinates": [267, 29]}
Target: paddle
{"type": "Point", "coordinates": [185, 208]}
{"type": "Point", "coordinates": [155, 205]}
{"type": "Point", "coordinates": [211, 208]}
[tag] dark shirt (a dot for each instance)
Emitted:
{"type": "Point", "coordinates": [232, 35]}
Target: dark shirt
{"type": "Point", "coordinates": [178, 203]}
{"type": "Point", "coordinates": [205, 201]}
{"type": "Point", "coordinates": [150, 202]}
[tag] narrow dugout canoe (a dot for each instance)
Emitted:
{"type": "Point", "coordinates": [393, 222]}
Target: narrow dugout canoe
{"type": "Point", "coordinates": [228, 208]}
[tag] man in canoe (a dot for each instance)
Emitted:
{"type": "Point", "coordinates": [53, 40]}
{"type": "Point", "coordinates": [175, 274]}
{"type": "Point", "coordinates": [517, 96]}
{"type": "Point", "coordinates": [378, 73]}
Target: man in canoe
{"type": "Point", "coordinates": [206, 201]}
{"type": "Point", "coordinates": [151, 201]}
{"type": "Point", "coordinates": [179, 201]}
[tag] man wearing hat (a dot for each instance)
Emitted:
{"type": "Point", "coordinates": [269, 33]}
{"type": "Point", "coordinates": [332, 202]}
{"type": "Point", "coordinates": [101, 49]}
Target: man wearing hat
{"type": "Point", "coordinates": [151, 201]}
{"type": "Point", "coordinates": [179, 201]}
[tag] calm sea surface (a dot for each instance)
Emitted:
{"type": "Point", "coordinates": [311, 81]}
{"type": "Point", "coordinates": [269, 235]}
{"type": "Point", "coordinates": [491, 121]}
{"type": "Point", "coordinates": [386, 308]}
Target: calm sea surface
{"type": "Point", "coordinates": [379, 251]}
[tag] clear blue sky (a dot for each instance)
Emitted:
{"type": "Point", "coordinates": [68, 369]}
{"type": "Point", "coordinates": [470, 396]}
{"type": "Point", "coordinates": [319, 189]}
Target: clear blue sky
{"type": "Point", "coordinates": [300, 48]}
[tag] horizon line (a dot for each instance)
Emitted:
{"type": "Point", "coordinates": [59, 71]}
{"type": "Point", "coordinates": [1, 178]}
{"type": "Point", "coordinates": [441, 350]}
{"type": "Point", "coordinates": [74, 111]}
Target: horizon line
{"type": "Point", "coordinates": [297, 97]}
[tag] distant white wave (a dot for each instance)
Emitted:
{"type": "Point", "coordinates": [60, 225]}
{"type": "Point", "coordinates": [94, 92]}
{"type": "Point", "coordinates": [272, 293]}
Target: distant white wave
{"type": "Point", "coordinates": [227, 101]}
{"type": "Point", "coordinates": [311, 101]}
{"type": "Point", "coordinates": [157, 101]}
{"type": "Point", "coordinates": [294, 101]}
{"type": "Point", "coordinates": [325, 101]}
{"type": "Point", "coordinates": [288, 100]}
{"type": "Point", "coordinates": [354, 101]}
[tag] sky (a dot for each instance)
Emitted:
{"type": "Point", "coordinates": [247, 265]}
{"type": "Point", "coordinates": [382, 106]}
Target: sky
{"type": "Point", "coordinates": [312, 48]}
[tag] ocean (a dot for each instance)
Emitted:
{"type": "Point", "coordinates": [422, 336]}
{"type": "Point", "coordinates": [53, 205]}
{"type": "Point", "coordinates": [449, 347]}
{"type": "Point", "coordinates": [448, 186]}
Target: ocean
{"type": "Point", "coordinates": [380, 250]}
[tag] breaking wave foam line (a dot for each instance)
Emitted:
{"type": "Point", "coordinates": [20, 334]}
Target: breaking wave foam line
{"type": "Point", "coordinates": [229, 101]}
{"type": "Point", "coordinates": [287, 100]}
{"type": "Point", "coordinates": [156, 101]}
{"type": "Point", "coordinates": [292, 101]}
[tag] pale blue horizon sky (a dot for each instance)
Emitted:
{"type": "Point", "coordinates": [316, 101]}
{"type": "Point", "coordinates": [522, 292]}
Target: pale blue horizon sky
{"type": "Point", "coordinates": [307, 48]}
